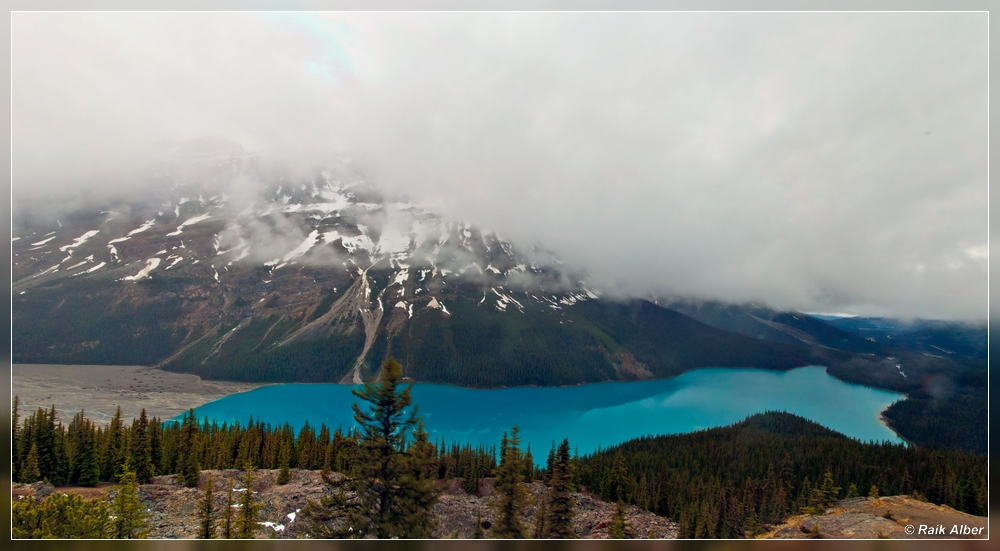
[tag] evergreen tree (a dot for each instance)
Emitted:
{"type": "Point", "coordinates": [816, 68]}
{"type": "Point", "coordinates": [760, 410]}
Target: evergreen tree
{"type": "Point", "coordinates": [60, 515]}
{"type": "Point", "coordinates": [284, 459]}
{"type": "Point", "coordinates": [539, 529]}
{"type": "Point", "coordinates": [111, 449]}
{"type": "Point", "coordinates": [823, 495]}
{"type": "Point", "coordinates": [387, 500]}
{"type": "Point", "coordinates": [559, 520]}
{"type": "Point", "coordinates": [510, 494]}
{"type": "Point", "coordinates": [45, 444]}
{"type": "Point", "coordinates": [852, 491]}
{"type": "Point", "coordinates": [29, 471]}
{"type": "Point", "coordinates": [618, 478]}
{"type": "Point", "coordinates": [89, 468]}
{"type": "Point", "coordinates": [619, 528]}
{"type": "Point", "coordinates": [477, 532]}
{"type": "Point", "coordinates": [246, 520]}
{"type": "Point", "coordinates": [206, 512]}
{"type": "Point", "coordinates": [140, 454]}
{"type": "Point", "coordinates": [15, 447]}
{"type": "Point", "coordinates": [227, 515]}
{"type": "Point", "coordinates": [873, 492]}
{"type": "Point", "coordinates": [418, 484]}
{"type": "Point", "coordinates": [129, 518]}
{"type": "Point", "coordinates": [187, 453]}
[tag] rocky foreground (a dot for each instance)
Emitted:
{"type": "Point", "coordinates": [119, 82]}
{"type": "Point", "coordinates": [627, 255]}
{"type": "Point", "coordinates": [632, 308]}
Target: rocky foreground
{"type": "Point", "coordinates": [886, 517]}
{"type": "Point", "coordinates": [172, 509]}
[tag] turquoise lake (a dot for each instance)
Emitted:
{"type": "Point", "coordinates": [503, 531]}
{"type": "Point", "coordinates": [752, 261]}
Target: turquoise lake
{"type": "Point", "coordinates": [592, 415]}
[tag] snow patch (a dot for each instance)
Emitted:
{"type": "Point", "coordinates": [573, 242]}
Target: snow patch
{"type": "Point", "coordinates": [79, 240]}
{"type": "Point", "coordinates": [42, 242]}
{"type": "Point", "coordinates": [190, 222]}
{"type": "Point", "coordinates": [94, 269]}
{"type": "Point", "coordinates": [145, 226]}
{"type": "Point", "coordinates": [304, 247]}
{"type": "Point", "coordinates": [151, 265]}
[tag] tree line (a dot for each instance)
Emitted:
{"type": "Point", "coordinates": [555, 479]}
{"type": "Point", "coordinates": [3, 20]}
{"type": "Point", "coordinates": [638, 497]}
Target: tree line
{"type": "Point", "coordinates": [726, 482]}
{"type": "Point", "coordinates": [385, 473]}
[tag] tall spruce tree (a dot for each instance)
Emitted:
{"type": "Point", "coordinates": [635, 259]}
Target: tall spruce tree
{"type": "Point", "coordinates": [140, 454]}
{"type": "Point", "coordinates": [89, 467]}
{"type": "Point", "coordinates": [284, 460]}
{"type": "Point", "coordinates": [511, 495]}
{"type": "Point", "coordinates": [29, 471]}
{"type": "Point", "coordinates": [227, 515]}
{"type": "Point", "coordinates": [559, 519]}
{"type": "Point", "coordinates": [206, 512]}
{"type": "Point", "coordinates": [617, 479]}
{"type": "Point", "coordinates": [246, 519]}
{"type": "Point", "coordinates": [15, 444]}
{"type": "Point", "coordinates": [187, 453]}
{"type": "Point", "coordinates": [387, 499]}
{"type": "Point", "coordinates": [111, 448]}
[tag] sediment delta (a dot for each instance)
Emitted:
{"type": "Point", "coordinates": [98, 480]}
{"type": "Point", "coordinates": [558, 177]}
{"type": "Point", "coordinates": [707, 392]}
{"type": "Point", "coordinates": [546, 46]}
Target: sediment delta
{"type": "Point", "coordinates": [98, 389]}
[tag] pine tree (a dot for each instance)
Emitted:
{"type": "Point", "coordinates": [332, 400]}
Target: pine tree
{"type": "Point", "coordinates": [619, 528]}
{"type": "Point", "coordinates": [539, 529]}
{"type": "Point", "coordinates": [60, 515]}
{"type": "Point", "coordinates": [129, 521]}
{"type": "Point", "coordinates": [111, 449]}
{"type": "Point", "coordinates": [873, 492]}
{"type": "Point", "coordinates": [388, 500]}
{"type": "Point", "coordinates": [618, 478]}
{"type": "Point", "coordinates": [246, 520]}
{"type": "Point", "coordinates": [227, 515]}
{"type": "Point", "coordinates": [90, 469]}
{"type": "Point", "coordinates": [823, 495]}
{"type": "Point", "coordinates": [29, 471]}
{"type": "Point", "coordinates": [140, 455]}
{"type": "Point", "coordinates": [284, 459]}
{"type": "Point", "coordinates": [418, 484]}
{"type": "Point", "coordinates": [187, 456]}
{"type": "Point", "coordinates": [206, 512]}
{"type": "Point", "coordinates": [559, 520]}
{"type": "Point", "coordinates": [15, 448]}
{"type": "Point", "coordinates": [45, 443]}
{"type": "Point", "coordinates": [510, 494]}
{"type": "Point", "coordinates": [852, 491]}
{"type": "Point", "coordinates": [477, 532]}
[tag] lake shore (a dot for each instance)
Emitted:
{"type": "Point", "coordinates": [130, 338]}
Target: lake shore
{"type": "Point", "coordinates": [99, 389]}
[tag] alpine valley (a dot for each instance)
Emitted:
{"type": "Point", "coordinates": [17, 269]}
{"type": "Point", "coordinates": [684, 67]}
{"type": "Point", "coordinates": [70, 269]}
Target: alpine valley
{"type": "Point", "coordinates": [322, 278]}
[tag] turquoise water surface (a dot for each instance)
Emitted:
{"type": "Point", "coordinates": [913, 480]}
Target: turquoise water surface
{"type": "Point", "coordinates": [592, 415]}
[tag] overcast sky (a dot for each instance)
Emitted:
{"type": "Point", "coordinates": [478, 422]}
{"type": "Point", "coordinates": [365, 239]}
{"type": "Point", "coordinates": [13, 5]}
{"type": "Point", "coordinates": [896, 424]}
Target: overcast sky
{"type": "Point", "coordinates": [823, 162]}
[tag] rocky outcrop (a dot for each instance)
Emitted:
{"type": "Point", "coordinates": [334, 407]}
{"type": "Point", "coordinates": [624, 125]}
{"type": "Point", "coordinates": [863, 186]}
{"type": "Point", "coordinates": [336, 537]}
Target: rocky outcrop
{"type": "Point", "coordinates": [172, 509]}
{"type": "Point", "coordinates": [886, 517]}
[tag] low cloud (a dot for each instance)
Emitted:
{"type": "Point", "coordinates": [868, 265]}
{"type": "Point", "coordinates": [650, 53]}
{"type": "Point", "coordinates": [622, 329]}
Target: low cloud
{"type": "Point", "coordinates": [824, 162]}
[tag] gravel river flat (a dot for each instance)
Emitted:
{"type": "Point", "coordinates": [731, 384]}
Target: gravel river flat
{"type": "Point", "coordinates": [99, 389]}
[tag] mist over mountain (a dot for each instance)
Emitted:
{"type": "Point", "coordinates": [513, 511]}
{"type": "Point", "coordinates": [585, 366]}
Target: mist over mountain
{"type": "Point", "coordinates": [830, 162]}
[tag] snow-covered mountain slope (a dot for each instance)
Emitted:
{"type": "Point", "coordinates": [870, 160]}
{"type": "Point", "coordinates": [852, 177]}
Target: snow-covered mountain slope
{"type": "Point", "coordinates": [322, 278]}
{"type": "Point", "coordinates": [320, 259]}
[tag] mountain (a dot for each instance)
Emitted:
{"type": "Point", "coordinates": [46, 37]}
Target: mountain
{"type": "Point", "coordinates": [769, 324]}
{"type": "Point", "coordinates": [320, 279]}
{"type": "Point", "coordinates": [936, 337]}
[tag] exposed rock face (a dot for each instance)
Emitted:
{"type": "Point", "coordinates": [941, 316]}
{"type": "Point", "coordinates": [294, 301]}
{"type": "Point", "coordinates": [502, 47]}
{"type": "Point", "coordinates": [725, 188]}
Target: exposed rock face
{"type": "Point", "coordinates": [172, 509]}
{"type": "Point", "coordinates": [886, 517]}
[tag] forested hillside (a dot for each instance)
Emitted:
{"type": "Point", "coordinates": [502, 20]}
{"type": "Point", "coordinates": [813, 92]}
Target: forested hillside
{"type": "Point", "coordinates": [729, 481]}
